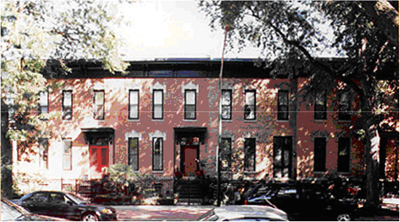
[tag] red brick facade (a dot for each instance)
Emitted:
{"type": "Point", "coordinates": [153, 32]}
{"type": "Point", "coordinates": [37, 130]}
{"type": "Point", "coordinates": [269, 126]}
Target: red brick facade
{"type": "Point", "coordinates": [167, 114]}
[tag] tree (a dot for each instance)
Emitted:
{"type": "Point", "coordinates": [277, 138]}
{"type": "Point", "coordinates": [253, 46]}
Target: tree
{"type": "Point", "coordinates": [291, 36]}
{"type": "Point", "coordinates": [41, 37]}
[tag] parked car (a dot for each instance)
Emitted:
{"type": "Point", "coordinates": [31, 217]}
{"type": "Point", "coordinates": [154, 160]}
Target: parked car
{"type": "Point", "coordinates": [12, 212]}
{"type": "Point", "coordinates": [244, 213]}
{"type": "Point", "coordinates": [65, 205]}
{"type": "Point", "coordinates": [303, 201]}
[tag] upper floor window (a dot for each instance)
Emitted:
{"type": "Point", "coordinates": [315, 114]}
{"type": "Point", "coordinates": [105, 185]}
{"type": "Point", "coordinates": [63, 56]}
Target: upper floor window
{"type": "Point", "coordinates": [67, 105]}
{"type": "Point", "coordinates": [67, 154]}
{"type": "Point", "coordinates": [249, 154]}
{"type": "Point", "coordinates": [320, 105]}
{"type": "Point", "coordinates": [133, 153]}
{"type": "Point", "coordinates": [226, 104]}
{"type": "Point", "coordinates": [190, 104]}
{"type": "Point", "coordinates": [157, 153]}
{"type": "Point", "coordinates": [250, 105]}
{"type": "Point", "coordinates": [319, 153]}
{"type": "Point", "coordinates": [98, 105]}
{"type": "Point", "coordinates": [43, 103]}
{"type": "Point", "coordinates": [43, 153]}
{"type": "Point", "coordinates": [133, 108]}
{"type": "Point", "coordinates": [344, 106]}
{"type": "Point", "coordinates": [158, 104]}
{"type": "Point", "coordinates": [343, 164]}
{"type": "Point", "coordinates": [10, 106]}
{"type": "Point", "coordinates": [283, 105]}
{"type": "Point", "coordinates": [226, 153]}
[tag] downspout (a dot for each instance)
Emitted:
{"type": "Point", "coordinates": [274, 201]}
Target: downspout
{"type": "Point", "coordinates": [293, 111]}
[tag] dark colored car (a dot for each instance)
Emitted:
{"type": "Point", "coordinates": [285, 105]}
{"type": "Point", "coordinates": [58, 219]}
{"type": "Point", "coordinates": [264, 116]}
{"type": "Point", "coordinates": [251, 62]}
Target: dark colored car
{"type": "Point", "coordinates": [65, 205]}
{"type": "Point", "coordinates": [12, 212]}
{"type": "Point", "coordinates": [303, 202]}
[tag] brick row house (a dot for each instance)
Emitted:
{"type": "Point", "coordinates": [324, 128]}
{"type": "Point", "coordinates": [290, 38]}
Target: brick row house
{"type": "Point", "coordinates": [163, 116]}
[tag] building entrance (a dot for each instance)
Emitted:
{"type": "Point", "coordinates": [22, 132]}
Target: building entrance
{"type": "Point", "coordinates": [189, 159]}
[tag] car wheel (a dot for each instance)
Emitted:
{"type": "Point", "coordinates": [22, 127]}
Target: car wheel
{"type": "Point", "coordinates": [90, 217]}
{"type": "Point", "coordinates": [343, 217]}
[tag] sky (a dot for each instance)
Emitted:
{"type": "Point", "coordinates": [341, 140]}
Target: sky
{"type": "Point", "coordinates": [171, 29]}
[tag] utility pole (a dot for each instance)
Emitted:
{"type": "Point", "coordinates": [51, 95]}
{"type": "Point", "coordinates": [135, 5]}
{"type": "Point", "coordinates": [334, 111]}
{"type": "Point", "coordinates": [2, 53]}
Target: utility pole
{"type": "Point", "coordinates": [227, 28]}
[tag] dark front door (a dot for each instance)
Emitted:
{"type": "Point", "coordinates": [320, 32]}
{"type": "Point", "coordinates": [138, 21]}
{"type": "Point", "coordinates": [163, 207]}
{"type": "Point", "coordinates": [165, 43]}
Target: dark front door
{"type": "Point", "coordinates": [99, 157]}
{"type": "Point", "coordinates": [282, 156]}
{"type": "Point", "coordinates": [189, 159]}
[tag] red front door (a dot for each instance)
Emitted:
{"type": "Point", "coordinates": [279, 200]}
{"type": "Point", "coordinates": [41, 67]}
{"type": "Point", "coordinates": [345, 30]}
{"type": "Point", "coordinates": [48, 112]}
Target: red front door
{"type": "Point", "coordinates": [189, 160]}
{"type": "Point", "coordinates": [98, 157]}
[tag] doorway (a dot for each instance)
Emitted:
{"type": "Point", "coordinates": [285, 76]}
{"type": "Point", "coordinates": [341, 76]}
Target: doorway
{"type": "Point", "coordinates": [99, 157]}
{"type": "Point", "coordinates": [190, 155]}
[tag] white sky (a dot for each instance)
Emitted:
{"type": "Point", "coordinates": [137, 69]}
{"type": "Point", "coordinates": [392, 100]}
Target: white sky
{"type": "Point", "coordinates": [171, 29]}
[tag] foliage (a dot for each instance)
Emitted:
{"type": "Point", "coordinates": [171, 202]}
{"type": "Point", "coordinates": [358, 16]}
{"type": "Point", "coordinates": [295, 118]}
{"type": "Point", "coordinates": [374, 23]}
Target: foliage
{"type": "Point", "coordinates": [290, 36]}
{"type": "Point", "coordinates": [35, 35]}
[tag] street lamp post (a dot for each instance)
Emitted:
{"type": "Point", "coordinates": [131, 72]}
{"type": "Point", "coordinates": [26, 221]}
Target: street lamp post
{"type": "Point", "coordinates": [227, 28]}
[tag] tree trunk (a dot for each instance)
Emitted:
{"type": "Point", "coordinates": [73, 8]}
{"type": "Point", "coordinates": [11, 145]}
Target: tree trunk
{"type": "Point", "coordinates": [6, 155]}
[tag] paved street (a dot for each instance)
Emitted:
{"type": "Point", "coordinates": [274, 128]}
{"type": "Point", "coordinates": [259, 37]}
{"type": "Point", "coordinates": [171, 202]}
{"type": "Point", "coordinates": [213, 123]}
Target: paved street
{"type": "Point", "coordinates": [187, 213]}
{"type": "Point", "coordinates": [159, 213]}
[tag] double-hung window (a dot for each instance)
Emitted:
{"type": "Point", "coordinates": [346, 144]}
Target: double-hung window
{"type": "Point", "coordinates": [98, 105]}
{"type": "Point", "coordinates": [133, 108]}
{"type": "Point", "coordinates": [190, 104]}
{"type": "Point", "coordinates": [320, 105]}
{"type": "Point", "coordinates": [158, 104]}
{"type": "Point", "coordinates": [43, 103]}
{"type": "Point", "coordinates": [67, 154]}
{"type": "Point", "coordinates": [133, 153]}
{"type": "Point", "coordinates": [157, 153]}
{"type": "Point", "coordinates": [67, 105]}
{"type": "Point", "coordinates": [319, 153]}
{"type": "Point", "coordinates": [249, 154]}
{"type": "Point", "coordinates": [344, 154]}
{"type": "Point", "coordinates": [226, 104]}
{"type": "Point", "coordinates": [344, 106]}
{"type": "Point", "coordinates": [43, 153]}
{"type": "Point", "coordinates": [283, 105]}
{"type": "Point", "coordinates": [226, 153]}
{"type": "Point", "coordinates": [250, 105]}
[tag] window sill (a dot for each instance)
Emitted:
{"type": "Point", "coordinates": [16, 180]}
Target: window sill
{"type": "Point", "coordinates": [133, 120]}
{"type": "Point", "coordinates": [319, 172]}
{"type": "Point", "coordinates": [157, 120]}
{"type": "Point", "coordinates": [157, 171]}
{"type": "Point", "coordinates": [250, 120]}
{"type": "Point", "coordinates": [190, 120]}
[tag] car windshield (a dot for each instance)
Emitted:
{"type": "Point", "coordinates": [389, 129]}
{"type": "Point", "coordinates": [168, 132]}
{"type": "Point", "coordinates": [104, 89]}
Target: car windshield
{"type": "Point", "coordinates": [77, 199]}
{"type": "Point", "coordinates": [209, 216]}
{"type": "Point", "coordinates": [8, 212]}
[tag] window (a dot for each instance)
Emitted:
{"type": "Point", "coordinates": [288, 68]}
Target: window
{"type": "Point", "coordinates": [43, 103]}
{"type": "Point", "coordinates": [158, 103]}
{"type": "Point", "coordinates": [250, 105]}
{"type": "Point", "coordinates": [157, 153]}
{"type": "Point", "coordinates": [133, 153]}
{"type": "Point", "coordinates": [283, 105]}
{"type": "Point", "coordinates": [250, 154]}
{"type": "Point", "coordinates": [282, 156]}
{"type": "Point", "coordinates": [344, 106]}
{"type": "Point", "coordinates": [344, 154]}
{"type": "Point", "coordinates": [98, 101]}
{"type": "Point", "coordinates": [67, 105]}
{"type": "Point", "coordinates": [10, 104]}
{"type": "Point", "coordinates": [190, 104]}
{"type": "Point", "coordinates": [226, 153]}
{"type": "Point", "coordinates": [43, 153]}
{"type": "Point", "coordinates": [320, 106]}
{"type": "Point", "coordinates": [67, 155]}
{"type": "Point", "coordinates": [133, 108]}
{"type": "Point", "coordinates": [319, 153]}
{"type": "Point", "coordinates": [226, 104]}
